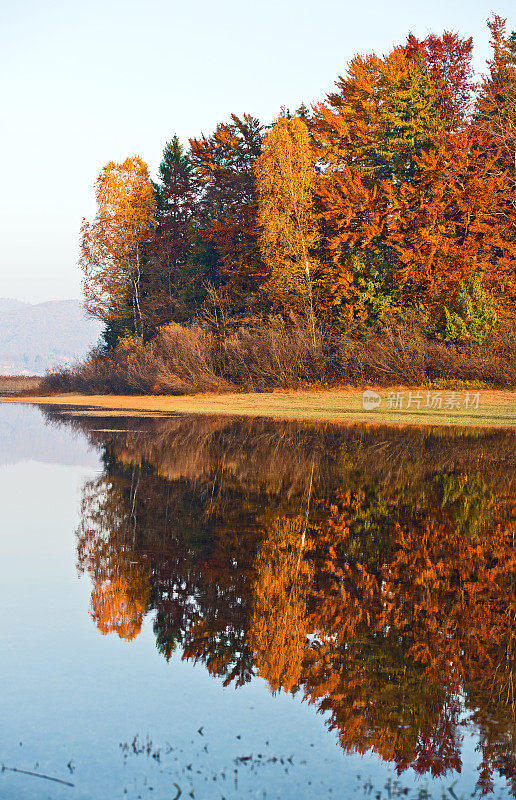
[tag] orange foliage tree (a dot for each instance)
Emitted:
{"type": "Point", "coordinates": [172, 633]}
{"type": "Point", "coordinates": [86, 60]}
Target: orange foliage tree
{"type": "Point", "coordinates": [112, 245]}
{"type": "Point", "coordinates": [372, 129]}
{"type": "Point", "coordinates": [453, 219]}
{"type": "Point", "coordinates": [448, 59]}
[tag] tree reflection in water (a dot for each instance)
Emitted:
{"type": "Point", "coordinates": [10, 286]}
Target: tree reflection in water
{"type": "Point", "coordinates": [369, 568]}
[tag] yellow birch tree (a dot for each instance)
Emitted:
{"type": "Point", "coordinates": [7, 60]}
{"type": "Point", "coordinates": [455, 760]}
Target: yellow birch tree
{"type": "Point", "coordinates": [287, 223]}
{"type": "Point", "coordinates": [111, 245]}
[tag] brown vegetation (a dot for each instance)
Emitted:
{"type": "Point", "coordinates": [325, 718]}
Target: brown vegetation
{"type": "Point", "coordinates": [20, 384]}
{"type": "Point", "coordinates": [258, 356]}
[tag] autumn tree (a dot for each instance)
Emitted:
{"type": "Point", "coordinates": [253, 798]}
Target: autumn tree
{"type": "Point", "coordinates": [381, 117]}
{"type": "Point", "coordinates": [452, 218]}
{"type": "Point", "coordinates": [286, 219]}
{"type": "Point", "coordinates": [495, 112]}
{"type": "Point", "coordinates": [113, 244]}
{"type": "Point", "coordinates": [455, 220]}
{"type": "Point", "coordinates": [224, 165]}
{"type": "Point", "coordinates": [371, 130]}
{"type": "Point", "coordinates": [448, 60]}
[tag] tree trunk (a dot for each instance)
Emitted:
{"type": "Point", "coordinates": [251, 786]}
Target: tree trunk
{"type": "Point", "coordinates": [136, 283]}
{"type": "Point", "coordinates": [310, 300]}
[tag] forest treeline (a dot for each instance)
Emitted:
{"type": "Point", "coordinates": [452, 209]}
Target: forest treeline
{"type": "Point", "coordinates": [348, 241]}
{"type": "Point", "coordinates": [370, 573]}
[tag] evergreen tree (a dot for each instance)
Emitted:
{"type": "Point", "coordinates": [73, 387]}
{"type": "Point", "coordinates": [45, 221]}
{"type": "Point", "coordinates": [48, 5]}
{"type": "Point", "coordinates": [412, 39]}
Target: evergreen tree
{"type": "Point", "coordinates": [495, 112]}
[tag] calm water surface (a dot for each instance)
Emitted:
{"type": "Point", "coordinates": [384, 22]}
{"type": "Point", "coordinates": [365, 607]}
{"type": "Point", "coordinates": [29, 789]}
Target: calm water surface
{"type": "Point", "coordinates": [233, 609]}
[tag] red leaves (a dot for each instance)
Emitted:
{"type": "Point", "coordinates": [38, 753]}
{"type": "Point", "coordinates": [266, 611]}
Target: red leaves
{"type": "Point", "coordinates": [448, 58]}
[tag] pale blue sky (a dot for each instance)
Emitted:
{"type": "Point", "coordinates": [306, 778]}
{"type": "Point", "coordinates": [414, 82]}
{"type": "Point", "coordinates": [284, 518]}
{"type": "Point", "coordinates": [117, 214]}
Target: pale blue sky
{"type": "Point", "coordinates": [83, 83]}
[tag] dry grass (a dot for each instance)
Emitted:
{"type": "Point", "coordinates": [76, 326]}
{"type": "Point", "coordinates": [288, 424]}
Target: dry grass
{"type": "Point", "coordinates": [19, 384]}
{"type": "Point", "coordinates": [495, 408]}
{"type": "Point", "coordinates": [276, 354]}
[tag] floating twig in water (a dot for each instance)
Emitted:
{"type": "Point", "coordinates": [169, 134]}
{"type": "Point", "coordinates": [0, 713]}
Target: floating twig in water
{"type": "Point", "coordinates": [36, 775]}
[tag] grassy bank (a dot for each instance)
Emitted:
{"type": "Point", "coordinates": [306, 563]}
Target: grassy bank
{"type": "Point", "coordinates": [495, 408]}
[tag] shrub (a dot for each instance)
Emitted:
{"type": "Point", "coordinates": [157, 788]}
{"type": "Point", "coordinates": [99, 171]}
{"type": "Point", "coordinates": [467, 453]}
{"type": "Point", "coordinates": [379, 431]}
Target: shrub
{"type": "Point", "coordinates": [474, 315]}
{"type": "Point", "coordinates": [262, 355]}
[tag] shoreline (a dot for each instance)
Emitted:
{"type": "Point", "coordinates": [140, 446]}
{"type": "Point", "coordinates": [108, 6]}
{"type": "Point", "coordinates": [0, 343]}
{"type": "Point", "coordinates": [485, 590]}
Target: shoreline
{"type": "Point", "coordinates": [496, 408]}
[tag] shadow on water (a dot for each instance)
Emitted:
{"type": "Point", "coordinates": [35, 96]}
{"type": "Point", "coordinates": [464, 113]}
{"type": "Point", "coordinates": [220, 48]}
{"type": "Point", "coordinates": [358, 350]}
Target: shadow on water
{"type": "Point", "coordinates": [370, 570]}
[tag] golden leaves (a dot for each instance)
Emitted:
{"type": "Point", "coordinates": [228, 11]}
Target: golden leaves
{"type": "Point", "coordinates": [111, 245]}
{"type": "Point", "coordinates": [286, 219]}
{"type": "Point", "coordinates": [279, 623]}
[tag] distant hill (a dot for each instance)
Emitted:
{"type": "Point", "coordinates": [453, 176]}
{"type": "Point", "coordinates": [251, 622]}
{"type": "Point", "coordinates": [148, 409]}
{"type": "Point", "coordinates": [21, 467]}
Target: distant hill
{"type": "Point", "coordinates": [7, 304]}
{"type": "Point", "coordinates": [35, 338]}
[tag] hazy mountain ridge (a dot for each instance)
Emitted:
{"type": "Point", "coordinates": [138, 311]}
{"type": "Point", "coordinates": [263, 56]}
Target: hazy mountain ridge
{"type": "Point", "coordinates": [36, 338]}
{"type": "Point", "coordinates": [10, 304]}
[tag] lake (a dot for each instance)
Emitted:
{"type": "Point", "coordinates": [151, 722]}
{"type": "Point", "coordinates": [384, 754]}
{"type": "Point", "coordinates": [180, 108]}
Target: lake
{"type": "Point", "coordinates": [212, 607]}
